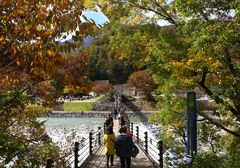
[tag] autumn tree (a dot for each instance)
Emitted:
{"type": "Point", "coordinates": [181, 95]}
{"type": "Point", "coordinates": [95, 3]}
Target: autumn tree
{"type": "Point", "coordinates": [43, 90]}
{"type": "Point", "coordinates": [120, 50]}
{"type": "Point", "coordinates": [75, 73]}
{"type": "Point", "coordinates": [210, 60]}
{"type": "Point", "coordinates": [30, 54]}
{"type": "Point", "coordinates": [102, 59]}
{"type": "Point", "coordinates": [201, 50]}
{"type": "Point", "coordinates": [102, 88]}
{"type": "Point", "coordinates": [142, 81]}
{"type": "Point", "coordinates": [120, 47]}
{"type": "Point", "coordinates": [198, 48]}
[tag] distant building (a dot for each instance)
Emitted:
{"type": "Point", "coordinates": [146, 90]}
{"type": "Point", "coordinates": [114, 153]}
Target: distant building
{"type": "Point", "coordinates": [125, 89]}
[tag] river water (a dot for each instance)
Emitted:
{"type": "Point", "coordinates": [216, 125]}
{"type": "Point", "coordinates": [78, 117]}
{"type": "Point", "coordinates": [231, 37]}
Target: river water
{"type": "Point", "coordinates": [71, 122]}
{"type": "Point", "coordinates": [64, 132]}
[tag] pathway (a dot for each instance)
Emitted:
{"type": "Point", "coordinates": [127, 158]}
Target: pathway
{"type": "Point", "coordinates": [99, 159]}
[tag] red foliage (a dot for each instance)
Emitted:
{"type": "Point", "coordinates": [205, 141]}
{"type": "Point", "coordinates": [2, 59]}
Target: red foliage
{"type": "Point", "coordinates": [102, 88]}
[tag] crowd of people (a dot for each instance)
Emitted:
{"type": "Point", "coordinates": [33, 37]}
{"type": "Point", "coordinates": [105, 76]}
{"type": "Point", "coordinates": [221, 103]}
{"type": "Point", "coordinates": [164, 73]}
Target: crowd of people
{"type": "Point", "coordinates": [121, 145]}
{"type": "Point", "coordinates": [117, 114]}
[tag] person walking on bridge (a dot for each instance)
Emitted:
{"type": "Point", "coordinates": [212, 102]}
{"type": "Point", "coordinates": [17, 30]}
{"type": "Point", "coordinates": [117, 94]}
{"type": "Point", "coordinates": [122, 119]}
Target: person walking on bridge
{"type": "Point", "coordinates": [123, 146]}
{"type": "Point", "coordinates": [109, 139]}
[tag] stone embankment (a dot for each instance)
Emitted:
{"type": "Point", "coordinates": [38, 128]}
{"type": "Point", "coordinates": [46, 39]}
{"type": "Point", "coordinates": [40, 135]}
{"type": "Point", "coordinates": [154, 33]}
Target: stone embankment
{"type": "Point", "coordinates": [94, 114]}
{"type": "Point", "coordinates": [103, 105]}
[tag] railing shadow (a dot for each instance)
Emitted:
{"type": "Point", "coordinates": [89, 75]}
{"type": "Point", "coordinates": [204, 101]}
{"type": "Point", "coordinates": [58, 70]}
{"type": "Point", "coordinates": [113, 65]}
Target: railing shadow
{"type": "Point", "coordinates": [136, 110]}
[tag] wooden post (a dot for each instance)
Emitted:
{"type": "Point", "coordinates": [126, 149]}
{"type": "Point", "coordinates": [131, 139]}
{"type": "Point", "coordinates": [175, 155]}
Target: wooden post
{"type": "Point", "coordinates": [76, 149]}
{"type": "Point", "coordinates": [146, 141]}
{"type": "Point", "coordinates": [160, 148]}
{"type": "Point", "coordinates": [137, 133]}
{"type": "Point", "coordinates": [99, 135]}
{"type": "Point", "coordinates": [49, 163]}
{"type": "Point", "coordinates": [90, 143]}
{"type": "Point", "coordinates": [104, 128]}
{"type": "Point", "coordinates": [131, 129]}
{"type": "Point", "coordinates": [128, 121]}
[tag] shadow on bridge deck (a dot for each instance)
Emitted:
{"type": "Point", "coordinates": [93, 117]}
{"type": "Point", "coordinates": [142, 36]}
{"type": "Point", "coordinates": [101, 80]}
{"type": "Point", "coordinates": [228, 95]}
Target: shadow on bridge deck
{"type": "Point", "coordinates": [99, 161]}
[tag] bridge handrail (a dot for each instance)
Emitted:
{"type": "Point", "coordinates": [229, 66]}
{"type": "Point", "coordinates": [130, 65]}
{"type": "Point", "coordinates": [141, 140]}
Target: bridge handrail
{"type": "Point", "coordinates": [146, 143]}
{"type": "Point", "coordinates": [92, 144]}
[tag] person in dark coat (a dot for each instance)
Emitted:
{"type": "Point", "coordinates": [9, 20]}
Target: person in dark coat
{"type": "Point", "coordinates": [123, 145]}
{"type": "Point", "coordinates": [122, 121]}
{"type": "Point", "coordinates": [109, 121]}
{"type": "Point", "coordinates": [115, 112]}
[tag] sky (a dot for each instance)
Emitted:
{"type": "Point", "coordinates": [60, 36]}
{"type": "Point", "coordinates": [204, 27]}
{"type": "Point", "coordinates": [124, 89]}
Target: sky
{"type": "Point", "coordinates": [95, 16]}
{"type": "Point", "coordinates": [100, 19]}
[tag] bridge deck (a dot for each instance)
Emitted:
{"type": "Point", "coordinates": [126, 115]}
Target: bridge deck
{"type": "Point", "coordinates": [99, 159]}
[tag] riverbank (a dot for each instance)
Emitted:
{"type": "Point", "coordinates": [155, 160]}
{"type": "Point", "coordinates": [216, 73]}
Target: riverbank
{"type": "Point", "coordinates": [96, 114]}
{"type": "Point", "coordinates": [65, 131]}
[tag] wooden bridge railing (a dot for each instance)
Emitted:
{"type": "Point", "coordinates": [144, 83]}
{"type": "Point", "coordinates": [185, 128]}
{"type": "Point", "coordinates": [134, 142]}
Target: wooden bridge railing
{"type": "Point", "coordinates": [152, 147]}
{"type": "Point", "coordinates": [89, 147]}
{"type": "Point", "coordinates": [84, 150]}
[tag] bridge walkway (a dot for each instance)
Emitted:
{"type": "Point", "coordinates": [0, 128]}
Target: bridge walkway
{"type": "Point", "coordinates": [99, 159]}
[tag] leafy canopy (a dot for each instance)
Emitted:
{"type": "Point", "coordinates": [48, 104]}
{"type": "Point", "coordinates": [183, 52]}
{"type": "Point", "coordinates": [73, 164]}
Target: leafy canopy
{"type": "Point", "coordinates": [29, 54]}
{"type": "Point", "coordinates": [199, 49]}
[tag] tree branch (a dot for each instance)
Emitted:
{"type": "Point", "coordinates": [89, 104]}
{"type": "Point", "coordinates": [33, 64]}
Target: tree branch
{"type": "Point", "coordinates": [165, 15]}
{"type": "Point", "coordinates": [216, 98]}
{"type": "Point", "coordinates": [182, 134]}
{"type": "Point", "coordinates": [7, 65]}
{"type": "Point", "coordinates": [218, 124]}
{"type": "Point", "coordinates": [168, 17]}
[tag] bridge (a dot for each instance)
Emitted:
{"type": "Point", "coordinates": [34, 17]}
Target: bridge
{"type": "Point", "coordinates": [90, 153]}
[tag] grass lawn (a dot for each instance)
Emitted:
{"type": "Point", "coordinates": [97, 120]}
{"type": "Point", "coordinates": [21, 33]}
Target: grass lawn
{"type": "Point", "coordinates": [78, 106]}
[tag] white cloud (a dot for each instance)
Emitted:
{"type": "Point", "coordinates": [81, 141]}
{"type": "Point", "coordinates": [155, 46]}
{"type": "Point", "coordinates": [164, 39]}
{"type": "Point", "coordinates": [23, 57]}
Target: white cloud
{"type": "Point", "coordinates": [163, 23]}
